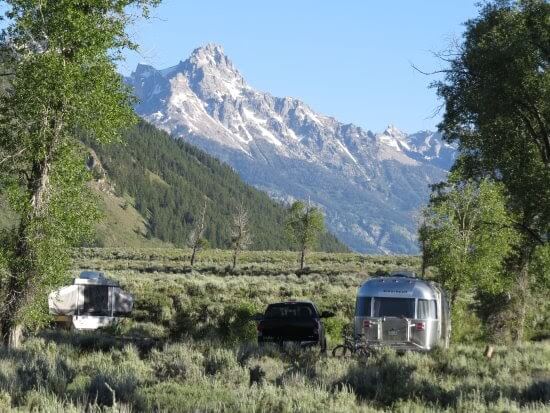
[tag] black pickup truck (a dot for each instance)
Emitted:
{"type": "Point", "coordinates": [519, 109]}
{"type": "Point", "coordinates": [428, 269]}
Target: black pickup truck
{"type": "Point", "coordinates": [293, 321]}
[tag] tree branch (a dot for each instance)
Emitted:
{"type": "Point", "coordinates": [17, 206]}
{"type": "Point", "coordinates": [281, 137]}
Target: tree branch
{"type": "Point", "coordinates": [430, 73]}
{"type": "Point", "coordinates": [544, 146]}
{"type": "Point", "coordinates": [7, 158]}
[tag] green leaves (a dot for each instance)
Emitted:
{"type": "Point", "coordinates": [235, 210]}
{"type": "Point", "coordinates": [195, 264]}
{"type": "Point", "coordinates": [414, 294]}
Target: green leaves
{"type": "Point", "coordinates": [496, 93]}
{"type": "Point", "coordinates": [304, 225]}
{"type": "Point", "coordinates": [467, 233]}
{"type": "Point", "coordinates": [497, 106]}
{"type": "Point", "coordinates": [63, 84]}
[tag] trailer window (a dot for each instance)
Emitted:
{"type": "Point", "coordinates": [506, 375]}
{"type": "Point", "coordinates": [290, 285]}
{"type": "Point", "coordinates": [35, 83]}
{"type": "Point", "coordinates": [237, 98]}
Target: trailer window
{"type": "Point", "coordinates": [96, 301]}
{"type": "Point", "coordinates": [122, 303]}
{"type": "Point", "coordinates": [427, 309]}
{"type": "Point", "coordinates": [393, 307]}
{"type": "Point", "coordinates": [362, 307]}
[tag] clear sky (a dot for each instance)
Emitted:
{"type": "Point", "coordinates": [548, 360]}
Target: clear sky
{"type": "Point", "coordinates": [350, 59]}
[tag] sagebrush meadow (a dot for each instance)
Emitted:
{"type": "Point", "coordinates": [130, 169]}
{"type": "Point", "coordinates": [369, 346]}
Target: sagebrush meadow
{"type": "Point", "coordinates": [180, 239]}
{"type": "Point", "coordinates": [190, 345]}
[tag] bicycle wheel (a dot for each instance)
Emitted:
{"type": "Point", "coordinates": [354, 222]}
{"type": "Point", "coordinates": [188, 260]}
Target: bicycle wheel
{"type": "Point", "coordinates": [363, 352]}
{"type": "Point", "coordinates": [341, 350]}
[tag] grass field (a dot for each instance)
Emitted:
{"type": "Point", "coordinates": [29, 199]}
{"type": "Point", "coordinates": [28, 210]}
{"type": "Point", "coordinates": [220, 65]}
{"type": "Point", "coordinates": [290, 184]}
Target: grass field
{"type": "Point", "coordinates": [189, 346]}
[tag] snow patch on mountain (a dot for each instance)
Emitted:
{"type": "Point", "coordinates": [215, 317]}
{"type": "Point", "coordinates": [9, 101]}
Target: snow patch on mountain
{"type": "Point", "coordinates": [369, 185]}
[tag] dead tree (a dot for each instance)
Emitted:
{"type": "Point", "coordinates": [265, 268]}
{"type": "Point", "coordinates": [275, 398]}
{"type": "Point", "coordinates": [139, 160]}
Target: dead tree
{"type": "Point", "coordinates": [240, 232]}
{"type": "Point", "coordinates": [196, 237]}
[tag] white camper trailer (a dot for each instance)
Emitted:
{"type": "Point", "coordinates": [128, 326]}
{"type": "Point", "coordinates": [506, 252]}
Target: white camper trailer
{"type": "Point", "coordinates": [93, 301]}
{"type": "Point", "coordinates": [403, 312]}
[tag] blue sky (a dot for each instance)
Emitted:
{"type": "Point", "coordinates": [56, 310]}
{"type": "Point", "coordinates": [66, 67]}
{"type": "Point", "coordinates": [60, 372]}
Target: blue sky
{"type": "Point", "coordinates": [347, 59]}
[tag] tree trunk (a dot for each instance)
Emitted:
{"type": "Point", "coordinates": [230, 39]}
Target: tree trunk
{"type": "Point", "coordinates": [489, 350]}
{"type": "Point", "coordinates": [302, 258]}
{"type": "Point", "coordinates": [11, 331]}
{"type": "Point", "coordinates": [15, 290]}
{"type": "Point", "coordinates": [235, 258]}
{"type": "Point", "coordinates": [423, 269]}
{"type": "Point", "coordinates": [522, 298]}
{"type": "Point", "coordinates": [15, 337]}
{"type": "Point", "coordinates": [193, 255]}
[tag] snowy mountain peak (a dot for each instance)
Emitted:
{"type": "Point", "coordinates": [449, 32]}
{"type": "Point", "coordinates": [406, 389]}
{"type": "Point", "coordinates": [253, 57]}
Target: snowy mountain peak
{"type": "Point", "coordinates": [394, 138]}
{"type": "Point", "coordinates": [209, 55]}
{"type": "Point", "coordinates": [368, 184]}
{"type": "Point", "coordinates": [211, 75]}
{"type": "Point", "coordinates": [391, 130]}
{"type": "Point", "coordinates": [423, 146]}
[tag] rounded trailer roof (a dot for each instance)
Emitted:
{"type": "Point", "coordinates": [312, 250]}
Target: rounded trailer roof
{"type": "Point", "coordinates": [397, 287]}
{"type": "Point", "coordinates": [94, 278]}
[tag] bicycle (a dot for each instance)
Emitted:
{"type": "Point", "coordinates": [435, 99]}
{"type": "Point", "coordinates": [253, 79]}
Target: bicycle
{"type": "Point", "coordinates": [351, 346]}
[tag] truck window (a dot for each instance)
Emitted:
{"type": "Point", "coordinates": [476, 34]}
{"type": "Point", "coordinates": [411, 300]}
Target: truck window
{"type": "Point", "coordinates": [393, 307]}
{"type": "Point", "coordinates": [362, 306]}
{"type": "Point", "coordinates": [426, 309]}
{"type": "Point", "coordinates": [290, 311]}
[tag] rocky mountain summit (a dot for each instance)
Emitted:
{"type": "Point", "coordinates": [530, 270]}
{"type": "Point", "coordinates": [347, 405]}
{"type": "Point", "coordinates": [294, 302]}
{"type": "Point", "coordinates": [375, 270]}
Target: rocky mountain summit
{"type": "Point", "coordinates": [369, 185]}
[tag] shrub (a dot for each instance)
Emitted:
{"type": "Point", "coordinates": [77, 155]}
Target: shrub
{"type": "Point", "coordinates": [219, 360]}
{"type": "Point", "coordinates": [106, 389]}
{"type": "Point", "coordinates": [123, 371]}
{"type": "Point", "coordinates": [236, 325]}
{"type": "Point", "coordinates": [144, 330]}
{"type": "Point", "coordinates": [8, 375]}
{"type": "Point", "coordinates": [5, 402]}
{"type": "Point", "coordinates": [178, 362]}
{"type": "Point", "coordinates": [77, 389]}
{"type": "Point", "coordinates": [41, 401]}
{"type": "Point", "coordinates": [334, 327]}
{"type": "Point", "coordinates": [466, 325]}
{"type": "Point", "coordinates": [153, 307]}
{"type": "Point", "coordinates": [272, 369]}
{"type": "Point", "coordinates": [38, 371]}
{"type": "Point", "coordinates": [385, 378]}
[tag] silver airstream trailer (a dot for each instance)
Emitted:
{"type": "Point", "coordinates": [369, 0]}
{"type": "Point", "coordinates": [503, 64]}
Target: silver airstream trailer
{"type": "Point", "coordinates": [93, 301]}
{"type": "Point", "coordinates": [403, 312]}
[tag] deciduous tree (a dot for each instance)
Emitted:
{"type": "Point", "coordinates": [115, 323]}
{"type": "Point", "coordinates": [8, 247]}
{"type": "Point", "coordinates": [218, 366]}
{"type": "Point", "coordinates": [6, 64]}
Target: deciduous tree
{"type": "Point", "coordinates": [303, 226]}
{"type": "Point", "coordinates": [59, 59]}
{"type": "Point", "coordinates": [496, 93]}
{"type": "Point", "coordinates": [197, 241]}
{"type": "Point", "coordinates": [467, 233]}
{"type": "Point", "coordinates": [240, 232]}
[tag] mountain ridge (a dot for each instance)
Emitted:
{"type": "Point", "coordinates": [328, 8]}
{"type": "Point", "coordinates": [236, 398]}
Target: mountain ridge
{"type": "Point", "coordinates": [159, 186]}
{"type": "Point", "coordinates": [369, 185]}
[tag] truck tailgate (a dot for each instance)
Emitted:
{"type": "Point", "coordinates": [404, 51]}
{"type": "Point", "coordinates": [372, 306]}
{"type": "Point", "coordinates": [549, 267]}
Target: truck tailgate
{"type": "Point", "coordinates": [291, 330]}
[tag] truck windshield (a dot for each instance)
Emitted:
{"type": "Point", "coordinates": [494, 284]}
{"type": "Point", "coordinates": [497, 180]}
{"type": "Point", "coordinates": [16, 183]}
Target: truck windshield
{"type": "Point", "coordinates": [290, 311]}
{"type": "Point", "coordinates": [393, 307]}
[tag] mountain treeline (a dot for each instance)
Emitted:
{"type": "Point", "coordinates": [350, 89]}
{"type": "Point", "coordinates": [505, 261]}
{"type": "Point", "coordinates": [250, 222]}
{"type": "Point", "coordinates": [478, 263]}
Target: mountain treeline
{"type": "Point", "coordinates": [170, 180]}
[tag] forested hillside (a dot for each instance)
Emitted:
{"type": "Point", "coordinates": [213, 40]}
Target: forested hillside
{"type": "Point", "coordinates": [168, 181]}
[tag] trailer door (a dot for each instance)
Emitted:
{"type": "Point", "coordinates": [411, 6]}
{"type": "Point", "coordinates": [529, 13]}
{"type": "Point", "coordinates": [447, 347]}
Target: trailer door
{"type": "Point", "coordinates": [95, 301]}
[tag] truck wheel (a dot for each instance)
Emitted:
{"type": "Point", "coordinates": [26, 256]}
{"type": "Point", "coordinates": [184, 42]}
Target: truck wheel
{"type": "Point", "coordinates": [324, 347]}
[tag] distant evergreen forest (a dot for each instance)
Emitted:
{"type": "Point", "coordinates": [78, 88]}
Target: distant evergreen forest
{"type": "Point", "coordinates": [168, 180]}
